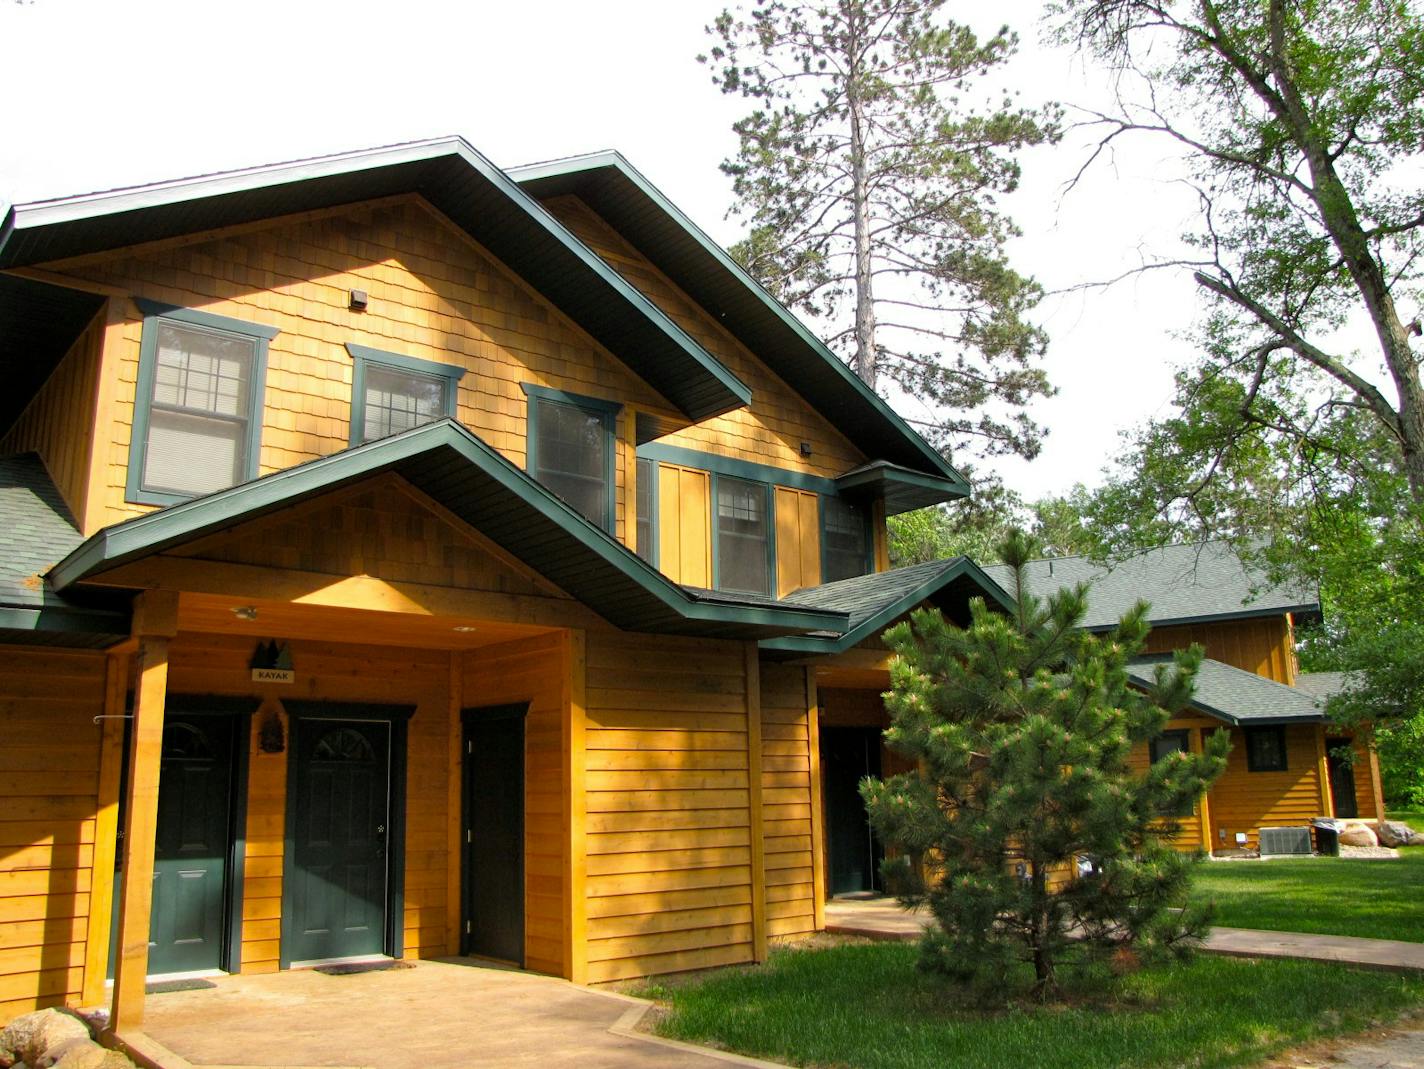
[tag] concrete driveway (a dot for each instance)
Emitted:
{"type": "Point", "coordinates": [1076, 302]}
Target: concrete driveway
{"type": "Point", "coordinates": [433, 1014]}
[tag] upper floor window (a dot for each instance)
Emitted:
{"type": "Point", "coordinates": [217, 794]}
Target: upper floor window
{"type": "Point", "coordinates": [197, 405]}
{"type": "Point", "coordinates": [845, 550]}
{"type": "Point", "coordinates": [392, 393]}
{"type": "Point", "coordinates": [571, 450]}
{"type": "Point", "coordinates": [743, 545]}
{"type": "Point", "coordinates": [1169, 742]}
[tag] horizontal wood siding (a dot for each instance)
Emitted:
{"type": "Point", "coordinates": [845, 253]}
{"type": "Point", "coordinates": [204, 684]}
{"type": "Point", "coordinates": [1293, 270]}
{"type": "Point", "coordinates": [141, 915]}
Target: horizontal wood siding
{"type": "Point", "coordinates": [213, 664]}
{"type": "Point", "coordinates": [669, 883]}
{"type": "Point", "coordinates": [786, 820]}
{"type": "Point", "coordinates": [58, 422]}
{"type": "Point", "coordinates": [534, 671]}
{"type": "Point", "coordinates": [433, 295]}
{"type": "Point", "coordinates": [1262, 645]}
{"type": "Point", "coordinates": [1244, 801]}
{"type": "Point", "coordinates": [49, 777]}
{"type": "Point", "coordinates": [1189, 827]}
{"type": "Point", "coordinates": [771, 429]}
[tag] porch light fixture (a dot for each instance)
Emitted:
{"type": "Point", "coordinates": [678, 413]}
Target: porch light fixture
{"type": "Point", "coordinates": [464, 629]}
{"type": "Point", "coordinates": [245, 612]}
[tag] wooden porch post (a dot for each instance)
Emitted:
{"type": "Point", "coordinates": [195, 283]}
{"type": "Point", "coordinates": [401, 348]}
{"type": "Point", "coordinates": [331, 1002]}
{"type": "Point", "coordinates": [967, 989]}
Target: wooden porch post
{"type": "Point", "coordinates": [106, 827]}
{"type": "Point", "coordinates": [754, 800]}
{"type": "Point", "coordinates": [1195, 739]}
{"type": "Point", "coordinates": [1322, 771]}
{"type": "Point", "coordinates": [155, 622]}
{"type": "Point", "coordinates": [818, 830]}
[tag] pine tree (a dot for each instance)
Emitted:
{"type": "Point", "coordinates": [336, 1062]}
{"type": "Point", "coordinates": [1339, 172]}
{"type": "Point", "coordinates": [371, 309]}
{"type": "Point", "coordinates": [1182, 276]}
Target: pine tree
{"type": "Point", "coordinates": [1021, 727]}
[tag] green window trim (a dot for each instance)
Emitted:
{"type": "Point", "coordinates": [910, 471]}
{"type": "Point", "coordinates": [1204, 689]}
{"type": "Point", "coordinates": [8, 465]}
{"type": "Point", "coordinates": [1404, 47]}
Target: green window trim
{"type": "Point", "coordinates": [869, 562]}
{"type": "Point", "coordinates": [768, 513]}
{"type": "Point", "coordinates": [154, 312]}
{"type": "Point", "coordinates": [598, 406]}
{"type": "Point", "coordinates": [362, 356]}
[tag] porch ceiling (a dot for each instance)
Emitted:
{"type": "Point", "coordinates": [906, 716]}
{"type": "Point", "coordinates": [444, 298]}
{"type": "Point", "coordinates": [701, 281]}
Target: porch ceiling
{"type": "Point", "coordinates": [483, 489]}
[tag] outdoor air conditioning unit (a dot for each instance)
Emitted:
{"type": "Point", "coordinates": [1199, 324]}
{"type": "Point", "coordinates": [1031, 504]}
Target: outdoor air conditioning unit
{"type": "Point", "coordinates": [1285, 841]}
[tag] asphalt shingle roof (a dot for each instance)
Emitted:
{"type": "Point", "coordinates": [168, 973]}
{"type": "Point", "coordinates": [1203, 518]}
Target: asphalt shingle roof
{"type": "Point", "coordinates": [1322, 686]}
{"type": "Point", "coordinates": [865, 595]}
{"type": "Point", "coordinates": [36, 531]}
{"type": "Point", "coordinates": [1236, 695]}
{"type": "Point", "coordinates": [1182, 583]}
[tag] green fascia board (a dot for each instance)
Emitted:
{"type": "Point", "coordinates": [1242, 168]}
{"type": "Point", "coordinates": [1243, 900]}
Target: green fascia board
{"type": "Point", "coordinates": [412, 450]}
{"type": "Point", "coordinates": [736, 468]}
{"type": "Point", "coordinates": [65, 620]}
{"type": "Point", "coordinates": [834, 365]}
{"type": "Point", "coordinates": [1218, 617]}
{"type": "Point", "coordinates": [882, 478]}
{"type": "Point", "coordinates": [24, 241]}
{"type": "Point", "coordinates": [963, 567]}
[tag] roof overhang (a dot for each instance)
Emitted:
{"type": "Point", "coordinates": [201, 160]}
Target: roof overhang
{"type": "Point", "coordinates": [1218, 617]}
{"type": "Point", "coordinates": [38, 324]}
{"type": "Point", "coordinates": [76, 627]}
{"type": "Point", "coordinates": [958, 582]}
{"type": "Point", "coordinates": [639, 211]}
{"type": "Point", "coordinates": [482, 488]}
{"type": "Point", "coordinates": [455, 179]}
{"type": "Point", "coordinates": [901, 489]}
{"type": "Point", "coordinates": [1141, 673]}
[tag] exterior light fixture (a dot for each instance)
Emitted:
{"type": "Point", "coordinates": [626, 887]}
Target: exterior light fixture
{"type": "Point", "coordinates": [245, 612]}
{"type": "Point", "coordinates": [464, 629]}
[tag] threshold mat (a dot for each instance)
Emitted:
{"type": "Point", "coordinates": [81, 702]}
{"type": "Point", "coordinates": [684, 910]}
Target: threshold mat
{"type": "Point", "coordinates": [163, 987]}
{"type": "Point", "coordinates": [351, 968]}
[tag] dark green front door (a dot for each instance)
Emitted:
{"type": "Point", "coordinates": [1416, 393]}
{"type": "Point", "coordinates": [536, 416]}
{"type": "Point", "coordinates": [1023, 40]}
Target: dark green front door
{"type": "Point", "coordinates": [847, 756]}
{"type": "Point", "coordinates": [1342, 778]}
{"type": "Point", "coordinates": [494, 833]}
{"type": "Point", "coordinates": [340, 828]}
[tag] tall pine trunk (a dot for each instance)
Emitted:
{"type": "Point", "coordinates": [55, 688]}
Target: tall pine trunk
{"type": "Point", "coordinates": [865, 354]}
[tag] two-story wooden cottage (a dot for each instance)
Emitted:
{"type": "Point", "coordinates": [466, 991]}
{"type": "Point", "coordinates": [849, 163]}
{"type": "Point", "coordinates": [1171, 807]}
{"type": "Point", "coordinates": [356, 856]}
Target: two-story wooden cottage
{"type": "Point", "coordinates": [394, 556]}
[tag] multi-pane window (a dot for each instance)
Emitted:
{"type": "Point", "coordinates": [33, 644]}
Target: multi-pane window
{"type": "Point", "coordinates": [1266, 749]}
{"type": "Point", "coordinates": [571, 453]}
{"type": "Point", "coordinates": [197, 405]}
{"type": "Point", "coordinates": [391, 393]}
{"type": "Point", "coordinates": [846, 547]}
{"type": "Point", "coordinates": [1169, 742]}
{"type": "Point", "coordinates": [645, 500]}
{"type": "Point", "coordinates": [743, 559]}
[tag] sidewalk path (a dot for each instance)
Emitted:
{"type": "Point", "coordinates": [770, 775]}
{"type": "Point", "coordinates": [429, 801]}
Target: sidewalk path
{"type": "Point", "coordinates": [882, 918]}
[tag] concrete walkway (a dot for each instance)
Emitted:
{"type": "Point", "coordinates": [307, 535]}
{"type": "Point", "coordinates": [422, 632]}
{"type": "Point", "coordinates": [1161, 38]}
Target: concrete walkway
{"type": "Point", "coordinates": [433, 1015]}
{"type": "Point", "coordinates": [882, 918]}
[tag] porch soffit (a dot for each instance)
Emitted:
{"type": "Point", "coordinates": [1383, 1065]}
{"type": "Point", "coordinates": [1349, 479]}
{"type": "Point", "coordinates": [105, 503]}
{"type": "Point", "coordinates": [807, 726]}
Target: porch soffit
{"type": "Point", "coordinates": [478, 487]}
{"type": "Point", "coordinates": [447, 172]}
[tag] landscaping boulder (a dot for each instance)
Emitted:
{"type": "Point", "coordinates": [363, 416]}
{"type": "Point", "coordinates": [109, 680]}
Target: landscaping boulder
{"type": "Point", "coordinates": [1358, 835]}
{"type": "Point", "coordinates": [1397, 833]}
{"type": "Point", "coordinates": [83, 1054]}
{"type": "Point", "coordinates": [28, 1038]}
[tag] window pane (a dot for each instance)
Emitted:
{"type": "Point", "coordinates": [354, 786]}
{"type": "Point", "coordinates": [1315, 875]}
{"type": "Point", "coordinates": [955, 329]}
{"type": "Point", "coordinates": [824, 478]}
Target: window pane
{"type": "Point", "coordinates": [398, 400]}
{"type": "Point", "coordinates": [742, 537]}
{"type": "Point", "coordinates": [190, 454]}
{"type": "Point", "coordinates": [203, 371]}
{"type": "Point", "coordinates": [1168, 742]}
{"type": "Point", "coordinates": [571, 457]}
{"type": "Point", "coordinates": [1266, 749]}
{"type": "Point", "coordinates": [846, 549]}
{"type": "Point", "coordinates": [646, 472]}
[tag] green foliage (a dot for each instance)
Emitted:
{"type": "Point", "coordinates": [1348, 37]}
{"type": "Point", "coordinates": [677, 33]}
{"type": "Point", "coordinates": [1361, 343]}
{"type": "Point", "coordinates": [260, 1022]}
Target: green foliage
{"type": "Point", "coordinates": [869, 171]}
{"type": "Point", "coordinates": [1022, 729]}
{"type": "Point", "coordinates": [977, 527]}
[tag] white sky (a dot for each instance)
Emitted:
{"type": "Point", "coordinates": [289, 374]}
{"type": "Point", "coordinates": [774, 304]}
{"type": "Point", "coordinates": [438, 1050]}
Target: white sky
{"type": "Point", "coordinates": [105, 93]}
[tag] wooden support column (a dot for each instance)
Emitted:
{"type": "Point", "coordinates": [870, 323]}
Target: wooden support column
{"type": "Point", "coordinates": [754, 788]}
{"type": "Point", "coordinates": [155, 623]}
{"type": "Point", "coordinates": [629, 446]}
{"type": "Point", "coordinates": [576, 808]}
{"type": "Point", "coordinates": [1322, 770]}
{"type": "Point", "coordinates": [455, 804]}
{"type": "Point", "coordinates": [106, 829]}
{"type": "Point", "coordinates": [1377, 787]}
{"type": "Point", "coordinates": [818, 829]}
{"type": "Point", "coordinates": [880, 537]}
{"type": "Point", "coordinates": [1196, 739]}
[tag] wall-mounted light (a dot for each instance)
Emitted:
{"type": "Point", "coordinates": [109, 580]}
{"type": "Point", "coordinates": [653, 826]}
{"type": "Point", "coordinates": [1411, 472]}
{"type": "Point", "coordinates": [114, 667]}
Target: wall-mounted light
{"type": "Point", "coordinates": [464, 629]}
{"type": "Point", "coordinates": [245, 612]}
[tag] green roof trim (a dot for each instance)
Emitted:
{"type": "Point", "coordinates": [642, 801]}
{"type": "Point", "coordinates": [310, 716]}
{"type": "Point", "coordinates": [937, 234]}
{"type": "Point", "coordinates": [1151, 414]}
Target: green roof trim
{"type": "Point", "coordinates": [862, 415]}
{"type": "Point", "coordinates": [486, 490]}
{"type": "Point", "coordinates": [875, 601]}
{"type": "Point", "coordinates": [450, 174]}
{"type": "Point", "coordinates": [901, 488]}
{"type": "Point", "coordinates": [735, 467]}
{"type": "Point", "coordinates": [96, 622]}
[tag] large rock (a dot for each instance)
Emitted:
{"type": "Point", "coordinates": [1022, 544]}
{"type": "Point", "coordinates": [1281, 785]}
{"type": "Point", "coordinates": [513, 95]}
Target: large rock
{"type": "Point", "coordinates": [27, 1038]}
{"type": "Point", "coordinates": [1358, 835]}
{"type": "Point", "coordinates": [1397, 833]}
{"type": "Point", "coordinates": [83, 1054]}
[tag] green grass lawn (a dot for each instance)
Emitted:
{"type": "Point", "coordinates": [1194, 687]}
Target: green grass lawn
{"type": "Point", "coordinates": [1378, 899]}
{"type": "Point", "coordinates": [866, 1006]}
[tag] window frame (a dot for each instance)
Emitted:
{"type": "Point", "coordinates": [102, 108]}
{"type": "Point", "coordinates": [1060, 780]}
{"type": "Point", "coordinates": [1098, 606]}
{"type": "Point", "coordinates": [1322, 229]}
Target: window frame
{"type": "Point", "coordinates": [652, 555]}
{"type": "Point", "coordinates": [768, 518]}
{"type": "Point", "coordinates": [1184, 734]}
{"type": "Point", "coordinates": [607, 411]}
{"type": "Point", "coordinates": [869, 560]}
{"type": "Point", "coordinates": [363, 356]}
{"type": "Point", "coordinates": [154, 314]}
{"type": "Point", "coordinates": [1279, 731]}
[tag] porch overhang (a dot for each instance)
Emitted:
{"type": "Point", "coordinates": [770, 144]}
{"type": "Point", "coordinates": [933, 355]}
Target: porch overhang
{"type": "Point", "coordinates": [475, 194]}
{"type": "Point", "coordinates": [483, 489]}
{"type": "Point", "coordinates": [875, 601]}
{"type": "Point", "coordinates": [900, 488]}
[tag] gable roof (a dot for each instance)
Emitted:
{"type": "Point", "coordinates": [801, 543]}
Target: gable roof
{"type": "Point", "coordinates": [37, 531]}
{"type": "Point", "coordinates": [872, 602]}
{"type": "Point", "coordinates": [1322, 686]}
{"type": "Point", "coordinates": [448, 173]}
{"type": "Point", "coordinates": [485, 490]}
{"type": "Point", "coordinates": [640, 212]}
{"type": "Point", "coordinates": [1238, 697]}
{"type": "Point", "coordinates": [1183, 584]}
